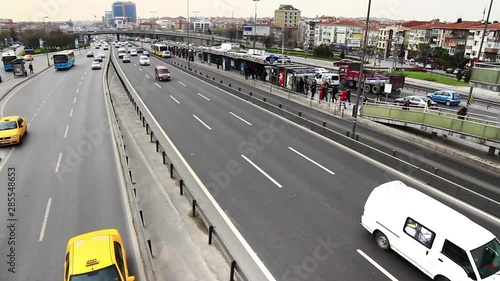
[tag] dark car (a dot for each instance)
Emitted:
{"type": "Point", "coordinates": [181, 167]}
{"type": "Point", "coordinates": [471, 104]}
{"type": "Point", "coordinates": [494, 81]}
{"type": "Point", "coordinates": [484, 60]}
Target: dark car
{"type": "Point", "coordinates": [162, 73]}
{"type": "Point", "coordinates": [98, 58]}
{"type": "Point", "coordinates": [140, 50]}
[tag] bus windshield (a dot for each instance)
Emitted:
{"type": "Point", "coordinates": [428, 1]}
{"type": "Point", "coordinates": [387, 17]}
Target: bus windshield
{"type": "Point", "coordinates": [60, 58]}
{"type": "Point", "coordinates": [487, 258]}
{"type": "Point", "coordinates": [8, 59]}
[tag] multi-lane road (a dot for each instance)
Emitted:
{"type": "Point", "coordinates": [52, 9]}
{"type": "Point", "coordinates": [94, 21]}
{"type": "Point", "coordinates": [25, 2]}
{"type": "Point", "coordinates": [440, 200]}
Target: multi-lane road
{"type": "Point", "coordinates": [296, 197]}
{"type": "Point", "coordinates": [66, 172]}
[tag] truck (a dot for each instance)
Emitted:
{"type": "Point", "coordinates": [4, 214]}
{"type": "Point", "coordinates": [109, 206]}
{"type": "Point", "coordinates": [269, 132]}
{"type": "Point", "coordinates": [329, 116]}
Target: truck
{"type": "Point", "coordinates": [372, 81]}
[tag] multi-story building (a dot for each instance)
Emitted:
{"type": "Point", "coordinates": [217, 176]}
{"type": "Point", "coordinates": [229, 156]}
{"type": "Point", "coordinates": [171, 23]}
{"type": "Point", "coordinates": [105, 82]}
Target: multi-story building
{"type": "Point", "coordinates": [287, 16]}
{"type": "Point", "coordinates": [393, 41]}
{"type": "Point", "coordinates": [125, 10]}
{"type": "Point", "coordinates": [491, 44]}
{"type": "Point", "coordinates": [108, 18]}
{"type": "Point", "coordinates": [200, 24]}
{"type": "Point", "coordinates": [309, 33]}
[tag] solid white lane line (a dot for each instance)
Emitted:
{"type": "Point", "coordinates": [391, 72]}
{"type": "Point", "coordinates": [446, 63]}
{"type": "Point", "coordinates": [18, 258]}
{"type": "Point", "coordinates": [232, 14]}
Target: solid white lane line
{"type": "Point", "coordinates": [74, 100]}
{"type": "Point", "coordinates": [202, 122]}
{"type": "Point", "coordinates": [250, 124]}
{"type": "Point", "coordinates": [182, 83]}
{"type": "Point", "coordinates": [71, 113]}
{"type": "Point", "coordinates": [158, 85]}
{"type": "Point", "coordinates": [77, 90]}
{"type": "Point", "coordinates": [45, 218]}
{"type": "Point", "coordinates": [175, 99]}
{"type": "Point", "coordinates": [312, 161]}
{"type": "Point", "coordinates": [262, 171]}
{"type": "Point", "coordinates": [147, 76]}
{"type": "Point", "coordinates": [140, 69]}
{"type": "Point", "coordinates": [374, 263]}
{"type": "Point", "coordinates": [58, 162]}
{"type": "Point", "coordinates": [203, 97]}
{"type": "Point", "coordinates": [66, 132]}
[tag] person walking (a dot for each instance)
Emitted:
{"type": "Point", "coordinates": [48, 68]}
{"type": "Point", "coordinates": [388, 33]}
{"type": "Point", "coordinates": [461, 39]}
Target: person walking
{"type": "Point", "coordinates": [335, 91]}
{"type": "Point", "coordinates": [313, 88]}
{"type": "Point", "coordinates": [343, 98]}
{"type": "Point", "coordinates": [30, 66]}
{"type": "Point", "coordinates": [306, 87]}
{"type": "Point", "coordinates": [348, 92]}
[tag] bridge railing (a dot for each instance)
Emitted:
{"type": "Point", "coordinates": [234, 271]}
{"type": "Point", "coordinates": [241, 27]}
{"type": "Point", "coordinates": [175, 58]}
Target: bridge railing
{"type": "Point", "coordinates": [446, 120]}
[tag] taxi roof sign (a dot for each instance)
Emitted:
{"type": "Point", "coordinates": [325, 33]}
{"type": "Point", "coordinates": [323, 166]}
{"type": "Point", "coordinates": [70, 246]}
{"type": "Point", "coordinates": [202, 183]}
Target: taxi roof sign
{"type": "Point", "coordinates": [92, 262]}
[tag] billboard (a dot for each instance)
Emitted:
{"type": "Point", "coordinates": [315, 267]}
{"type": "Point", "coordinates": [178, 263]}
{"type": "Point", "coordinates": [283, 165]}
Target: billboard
{"type": "Point", "coordinates": [259, 31]}
{"type": "Point", "coordinates": [354, 42]}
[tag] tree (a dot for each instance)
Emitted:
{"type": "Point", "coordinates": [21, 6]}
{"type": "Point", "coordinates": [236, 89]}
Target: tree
{"type": "Point", "coordinates": [323, 51]}
{"type": "Point", "coordinates": [459, 58]}
{"type": "Point", "coordinates": [231, 33]}
{"type": "Point", "coordinates": [459, 75]}
{"type": "Point", "coordinates": [14, 34]}
{"type": "Point", "coordinates": [424, 52]}
{"type": "Point", "coordinates": [30, 38]}
{"type": "Point", "coordinates": [269, 41]}
{"type": "Point", "coordinates": [218, 31]}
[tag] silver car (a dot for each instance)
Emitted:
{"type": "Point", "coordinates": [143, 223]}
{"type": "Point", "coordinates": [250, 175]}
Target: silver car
{"type": "Point", "coordinates": [416, 101]}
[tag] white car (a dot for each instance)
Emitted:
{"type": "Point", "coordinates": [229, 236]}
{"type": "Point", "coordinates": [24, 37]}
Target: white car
{"type": "Point", "coordinates": [143, 60]}
{"type": "Point", "coordinates": [96, 65]}
{"type": "Point", "coordinates": [133, 52]}
{"type": "Point", "coordinates": [102, 55]}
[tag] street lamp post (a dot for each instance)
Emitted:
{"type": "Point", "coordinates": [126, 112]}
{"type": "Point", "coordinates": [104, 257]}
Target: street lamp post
{"type": "Point", "coordinates": [365, 40]}
{"type": "Point", "coordinates": [188, 39]}
{"type": "Point", "coordinates": [195, 19]}
{"type": "Point", "coordinates": [480, 48]}
{"type": "Point", "coordinates": [255, 26]}
{"type": "Point", "coordinates": [44, 43]}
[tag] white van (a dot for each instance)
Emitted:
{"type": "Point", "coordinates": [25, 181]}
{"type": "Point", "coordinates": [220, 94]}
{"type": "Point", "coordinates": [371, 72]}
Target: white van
{"type": "Point", "coordinates": [121, 52]}
{"type": "Point", "coordinates": [165, 54]}
{"type": "Point", "coordinates": [331, 78]}
{"type": "Point", "coordinates": [442, 243]}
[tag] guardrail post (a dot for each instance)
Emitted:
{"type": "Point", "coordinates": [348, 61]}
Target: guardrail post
{"type": "Point", "coordinates": [229, 85]}
{"type": "Point", "coordinates": [150, 247]}
{"type": "Point", "coordinates": [324, 123]}
{"type": "Point", "coordinates": [250, 94]}
{"type": "Point", "coordinates": [210, 234]}
{"type": "Point", "coordinates": [143, 121]}
{"type": "Point", "coordinates": [194, 208]}
{"type": "Point", "coordinates": [347, 133]}
{"type": "Point", "coordinates": [239, 89]}
{"type": "Point", "coordinates": [147, 128]}
{"type": "Point", "coordinates": [357, 137]}
{"type": "Point", "coordinates": [394, 153]}
{"type": "Point", "coordinates": [157, 145]}
{"type": "Point", "coordinates": [264, 99]}
{"type": "Point", "coordinates": [164, 156]}
{"type": "Point", "coordinates": [171, 170]}
{"type": "Point", "coordinates": [181, 187]}
{"type": "Point", "coordinates": [300, 113]}
{"type": "Point", "coordinates": [233, 270]}
{"type": "Point", "coordinates": [280, 105]}
{"type": "Point", "coordinates": [142, 218]}
{"type": "Point", "coordinates": [135, 192]}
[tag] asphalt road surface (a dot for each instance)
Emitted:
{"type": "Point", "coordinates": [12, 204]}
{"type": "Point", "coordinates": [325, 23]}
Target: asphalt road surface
{"type": "Point", "coordinates": [463, 173]}
{"type": "Point", "coordinates": [291, 193]}
{"type": "Point", "coordinates": [67, 180]}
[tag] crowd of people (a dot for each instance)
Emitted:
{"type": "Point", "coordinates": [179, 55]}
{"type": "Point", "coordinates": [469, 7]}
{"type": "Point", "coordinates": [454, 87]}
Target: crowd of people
{"type": "Point", "coordinates": [326, 92]}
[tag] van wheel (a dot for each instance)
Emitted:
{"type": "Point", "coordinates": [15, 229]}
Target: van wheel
{"type": "Point", "coordinates": [382, 241]}
{"type": "Point", "coordinates": [441, 278]}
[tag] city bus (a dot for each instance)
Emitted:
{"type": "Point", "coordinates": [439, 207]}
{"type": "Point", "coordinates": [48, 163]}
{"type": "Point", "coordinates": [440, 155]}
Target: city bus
{"type": "Point", "coordinates": [7, 59]}
{"type": "Point", "coordinates": [64, 60]}
{"type": "Point", "coordinates": [158, 49]}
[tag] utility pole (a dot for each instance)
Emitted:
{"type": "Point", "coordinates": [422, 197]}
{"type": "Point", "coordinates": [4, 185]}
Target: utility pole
{"type": "Point", "coordinates": [44, 43]}
{"type": "Point", "coordinates": [480, 49]}
{"type": "Point", "coordinates": [188, 28]}
{"type": "Point", "coordinates": [358, 90]}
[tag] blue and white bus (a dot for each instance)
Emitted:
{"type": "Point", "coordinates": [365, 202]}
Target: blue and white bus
{"type": "Point", "coordinates": [64, 60]}
{"type": "Point", "coordinates": [7, 59]}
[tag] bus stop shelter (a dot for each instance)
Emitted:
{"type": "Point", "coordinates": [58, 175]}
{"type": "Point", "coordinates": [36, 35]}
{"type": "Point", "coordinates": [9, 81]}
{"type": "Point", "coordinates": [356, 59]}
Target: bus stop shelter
{"type": "Point", "coordinates": [18, 67]}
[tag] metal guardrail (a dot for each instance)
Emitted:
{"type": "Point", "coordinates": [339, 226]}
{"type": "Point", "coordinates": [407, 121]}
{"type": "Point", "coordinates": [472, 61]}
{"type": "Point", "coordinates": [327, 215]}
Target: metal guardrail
{"type": "Point", "coordinates": [245, 265]}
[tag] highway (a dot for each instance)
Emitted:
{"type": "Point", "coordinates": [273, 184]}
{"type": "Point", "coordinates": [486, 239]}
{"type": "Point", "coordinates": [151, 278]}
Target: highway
{"type": "Point", "coordinates": [291, 193]}
{"type": "Point", "coordinates": [461, 172]}
{"type": "Point", "coordinates": [67, 178]}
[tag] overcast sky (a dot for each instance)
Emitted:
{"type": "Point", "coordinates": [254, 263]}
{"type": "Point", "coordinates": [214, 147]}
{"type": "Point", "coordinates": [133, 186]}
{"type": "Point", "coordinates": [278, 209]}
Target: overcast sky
{"type": "Point", "coordinates": [446, 10]}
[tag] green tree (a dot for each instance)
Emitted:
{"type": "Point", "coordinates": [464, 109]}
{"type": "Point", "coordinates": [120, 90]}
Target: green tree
{"type": "Point", "coordinates": [459, 58]}
{"type": "Point", "coordinates": [424, 51]}
{"type": "Point", "coordinates": [14, 35]}
{"type": "Point", "coordinates": [323, 51]}
{"type": "Point", "coordinates": [231, 33]}
{"type": "Point", "coordinates": [269, 41]}
{"type": "Point", "coordinates": [218, 31]}
{"type": "Point", "coordinates": [459, 75]}
{"type": "Point", "coordinates": [30, 38]}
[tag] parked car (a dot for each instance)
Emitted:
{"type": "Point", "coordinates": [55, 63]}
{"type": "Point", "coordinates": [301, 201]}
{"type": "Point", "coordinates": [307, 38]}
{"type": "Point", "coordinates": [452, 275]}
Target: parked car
{"type": "Point", "coordinates": [416, 101]}
{"type": "Point", "coordinates": [450, 70]}
{"type": "Point", "coordinates": [447, 97]}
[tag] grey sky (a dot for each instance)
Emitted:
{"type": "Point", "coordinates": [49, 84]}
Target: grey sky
{"type": "Point", "coordinates": [448, 10]}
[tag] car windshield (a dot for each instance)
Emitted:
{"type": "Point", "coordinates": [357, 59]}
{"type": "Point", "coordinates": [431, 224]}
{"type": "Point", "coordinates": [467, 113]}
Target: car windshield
{"type": "Point", "coordinates": [161, 71]}
{"type": "Point", "coordinates": [487, 258]}
{"type": "Point", "coordinates": [106, 274]}
{"type": "Point", "coordinates": [9, 125]}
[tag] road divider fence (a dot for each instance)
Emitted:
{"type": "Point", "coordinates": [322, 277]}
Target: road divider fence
{"type": "Point", "coordinates": [244, 263]}
{"type": "Point", "coordinates": [431, 178]}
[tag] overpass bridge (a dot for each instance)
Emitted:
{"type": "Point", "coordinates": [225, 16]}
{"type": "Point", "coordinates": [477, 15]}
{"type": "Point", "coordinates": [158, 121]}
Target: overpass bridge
{"type": "Point", "coordinates": [205, 39]}
{"type": "Point", "coordinates": [484, 130]}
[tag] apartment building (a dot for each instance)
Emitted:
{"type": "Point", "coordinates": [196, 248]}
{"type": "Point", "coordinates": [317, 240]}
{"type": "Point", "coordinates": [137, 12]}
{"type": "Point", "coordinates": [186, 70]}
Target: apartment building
{"type": "Point", "coordinates": [491, 45]}
{"type": "Point", "coordinates": [393, 41]}
{"type": "Point", "coordinates": [342, 32]}
{"type": "Point", "coordinates": [287, 16]}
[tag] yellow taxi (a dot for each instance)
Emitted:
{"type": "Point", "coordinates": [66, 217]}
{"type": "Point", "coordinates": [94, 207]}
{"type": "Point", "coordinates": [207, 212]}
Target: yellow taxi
{"type": "Point", "coordinates": [12, 129]}
{"type": "Point", "coordinates": [29, 57]}
{"type": "Point", "coordinates": [96, 256]}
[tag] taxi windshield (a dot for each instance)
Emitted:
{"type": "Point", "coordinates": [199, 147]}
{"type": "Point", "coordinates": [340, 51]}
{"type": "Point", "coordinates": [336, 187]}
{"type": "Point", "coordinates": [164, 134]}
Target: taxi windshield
{"type": "Point", "coordinates": [106, 274]}
{"type": "Point", "coordinates": [8, 125]}
{"type": "Point", "coordinates": [487, 258]}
